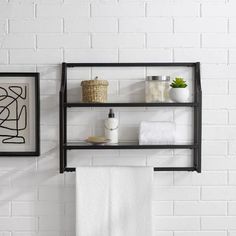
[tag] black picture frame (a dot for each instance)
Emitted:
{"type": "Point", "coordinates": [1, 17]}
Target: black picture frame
{"type": "Point", "coordinates": [36, 119]}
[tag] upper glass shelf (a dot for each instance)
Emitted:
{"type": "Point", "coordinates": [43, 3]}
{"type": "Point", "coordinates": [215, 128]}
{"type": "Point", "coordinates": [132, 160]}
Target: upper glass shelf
{"type": "Point", "coordinates": [130, 104]}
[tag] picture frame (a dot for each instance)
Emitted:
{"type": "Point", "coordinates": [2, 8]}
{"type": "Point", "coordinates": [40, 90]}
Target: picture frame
{"type": "Point", "coordinates": [19, 114]}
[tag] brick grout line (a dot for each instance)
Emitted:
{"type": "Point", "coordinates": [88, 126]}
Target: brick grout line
{"type": "Point", "coordinates": [200, 10]}
{"type": "Point", "coordinates": [90, 10]}
{"type": "Point", "coordinates": [35, 10]}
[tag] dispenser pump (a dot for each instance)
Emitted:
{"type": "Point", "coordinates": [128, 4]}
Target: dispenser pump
{"type": "Point", "coordinates": [111, 114]}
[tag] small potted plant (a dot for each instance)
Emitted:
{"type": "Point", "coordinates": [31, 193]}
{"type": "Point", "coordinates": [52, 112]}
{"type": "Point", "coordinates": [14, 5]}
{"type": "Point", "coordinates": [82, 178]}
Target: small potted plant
{"type": "Point", "coordinates": [178, 91]}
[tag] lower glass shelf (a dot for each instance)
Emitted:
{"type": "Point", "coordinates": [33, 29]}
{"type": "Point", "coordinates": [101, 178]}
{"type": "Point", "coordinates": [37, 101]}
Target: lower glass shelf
{"type": "Point", "coordinates": [125, 145]}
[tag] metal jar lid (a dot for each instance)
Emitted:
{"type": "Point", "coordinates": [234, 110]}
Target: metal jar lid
{"type": "Point", "coordinates": [158, 78]}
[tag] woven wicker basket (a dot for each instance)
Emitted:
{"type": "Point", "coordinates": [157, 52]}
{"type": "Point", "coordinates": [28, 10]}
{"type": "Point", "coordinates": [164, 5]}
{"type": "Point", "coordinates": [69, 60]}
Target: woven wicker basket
{"type": "Point", "coordinates": [94, 90]}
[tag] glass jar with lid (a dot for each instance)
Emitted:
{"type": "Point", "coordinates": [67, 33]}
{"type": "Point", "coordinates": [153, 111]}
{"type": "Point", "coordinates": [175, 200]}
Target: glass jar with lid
{"type": "Point", "coordinates": [157, 88]}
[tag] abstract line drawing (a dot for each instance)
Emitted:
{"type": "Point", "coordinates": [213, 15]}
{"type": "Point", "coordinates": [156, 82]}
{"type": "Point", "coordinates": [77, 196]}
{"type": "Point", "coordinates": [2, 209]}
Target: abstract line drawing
{"type": "Point", "coordinates": [13, 113]}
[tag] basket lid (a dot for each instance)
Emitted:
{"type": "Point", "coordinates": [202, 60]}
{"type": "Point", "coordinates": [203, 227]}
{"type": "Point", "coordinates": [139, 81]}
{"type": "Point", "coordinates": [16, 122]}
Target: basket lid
{"type": "Point", "coordinates": [94, 82]}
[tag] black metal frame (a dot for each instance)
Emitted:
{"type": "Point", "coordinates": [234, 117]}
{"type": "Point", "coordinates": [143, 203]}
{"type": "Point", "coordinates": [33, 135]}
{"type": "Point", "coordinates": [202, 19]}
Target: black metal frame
{"type": "Point", "coordinates": [36, 78]}
{"type": "Point", "coordinates": [196, 105]}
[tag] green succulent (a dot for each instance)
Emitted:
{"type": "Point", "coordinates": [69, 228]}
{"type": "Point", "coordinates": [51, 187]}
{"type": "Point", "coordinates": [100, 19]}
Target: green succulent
{"type": "Point", "coordinates": [178, 83]}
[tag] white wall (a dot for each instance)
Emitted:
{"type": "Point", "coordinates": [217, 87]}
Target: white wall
{"type": "Point", "coordinates": [37, 35]}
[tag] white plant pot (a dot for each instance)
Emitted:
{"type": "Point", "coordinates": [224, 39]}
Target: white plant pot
{"type": "Point", "coordinates": [179, 94]}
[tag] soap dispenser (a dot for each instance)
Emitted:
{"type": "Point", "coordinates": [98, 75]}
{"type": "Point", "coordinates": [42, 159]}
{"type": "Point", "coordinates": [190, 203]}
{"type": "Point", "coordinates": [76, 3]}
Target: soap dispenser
{"type": "Point", "coordinates": [111, 127]}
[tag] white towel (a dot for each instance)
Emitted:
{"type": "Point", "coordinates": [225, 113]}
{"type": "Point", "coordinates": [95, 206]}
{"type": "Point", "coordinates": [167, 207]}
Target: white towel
{"type": "Point", "coordinates": [151, 132]}
{"type": "Point", "coordinates": [113, 201]}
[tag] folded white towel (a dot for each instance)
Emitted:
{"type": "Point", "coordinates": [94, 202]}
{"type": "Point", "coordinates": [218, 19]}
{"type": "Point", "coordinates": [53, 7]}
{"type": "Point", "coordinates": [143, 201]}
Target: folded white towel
{"type": "Point", "coordinates": [156, 133]}
{"type": "Point", "coordinates": [113, 201]}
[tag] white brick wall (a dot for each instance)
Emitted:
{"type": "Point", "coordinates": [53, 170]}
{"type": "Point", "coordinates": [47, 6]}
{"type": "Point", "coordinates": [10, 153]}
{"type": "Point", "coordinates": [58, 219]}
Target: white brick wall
{"type": "Point", "coordinates": [37, 35]}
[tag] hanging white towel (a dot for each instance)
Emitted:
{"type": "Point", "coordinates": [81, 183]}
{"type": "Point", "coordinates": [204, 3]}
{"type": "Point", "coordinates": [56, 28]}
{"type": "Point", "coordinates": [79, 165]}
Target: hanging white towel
{"type": "Point", "coordinates": [114, 201]}
{"type": "Point", "coordinates": [156, 133]}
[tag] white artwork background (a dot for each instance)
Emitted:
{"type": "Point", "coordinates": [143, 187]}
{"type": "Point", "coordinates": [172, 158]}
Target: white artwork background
{"type": "Point", "coordinates": [14, 113]}
{"type": "Point", "coordinates": [28, 83]}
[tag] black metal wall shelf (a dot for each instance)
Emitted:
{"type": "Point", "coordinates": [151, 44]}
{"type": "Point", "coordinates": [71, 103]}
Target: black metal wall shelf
{"type": "Point", "coordinates": [196, 105]}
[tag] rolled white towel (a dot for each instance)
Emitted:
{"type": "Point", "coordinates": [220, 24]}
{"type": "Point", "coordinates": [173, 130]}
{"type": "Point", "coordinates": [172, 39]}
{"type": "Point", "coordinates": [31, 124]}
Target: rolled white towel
{"type": "Point", "coordinates": [156, 133]}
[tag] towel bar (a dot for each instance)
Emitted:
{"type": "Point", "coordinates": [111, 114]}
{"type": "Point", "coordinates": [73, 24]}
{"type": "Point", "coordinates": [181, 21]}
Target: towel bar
{"type": "Point", "coordinates": [72, 169]}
